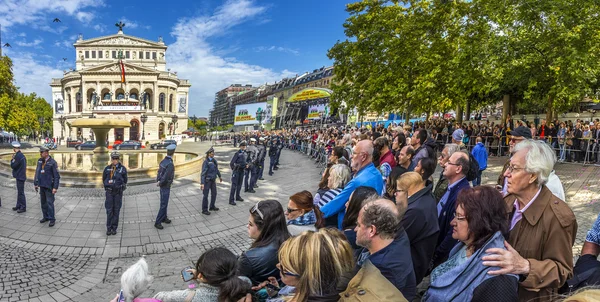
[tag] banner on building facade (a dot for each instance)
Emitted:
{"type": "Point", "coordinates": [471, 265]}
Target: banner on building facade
{"type": "Point", "coordinates": [310, 94]}
{"type": "Point", "coordinates": [118, 108]}
{"type": "Point", "coordinates": [250, 114]}
{"type": "Point", "coordinates": [317, 111]}
{"type": "Point", "coordinates": [181, 100]}
{"type": "Point", "coordinates": [59, 104]}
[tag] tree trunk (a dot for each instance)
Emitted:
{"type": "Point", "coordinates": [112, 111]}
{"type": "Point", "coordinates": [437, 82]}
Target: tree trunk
{"type": "Point", "coordinates": [459, 114]}
{"type": "Point", "coordinates": [549, 109]}
{"type": "Point", "coordinates": [505, 106]}
{"type": "Point", "coordinates": [407, 117]}
{"type": "Point", "coordinates": [468, 111]}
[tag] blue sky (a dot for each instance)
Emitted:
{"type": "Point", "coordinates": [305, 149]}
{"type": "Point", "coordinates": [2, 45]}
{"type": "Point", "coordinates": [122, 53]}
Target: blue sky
{"type": "Point", "coordinates": [212, 43]}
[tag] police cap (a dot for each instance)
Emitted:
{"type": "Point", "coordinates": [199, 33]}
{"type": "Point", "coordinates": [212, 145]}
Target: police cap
{"type": "Point", "coordinates": [115, 155]}
{"type": "Point", "coordinates": [243, 144]}
{"type": "Point", "coordinates": [16, 144]}
{"type": "Point", "coordinates": [44, 149]}
{"type": "Point", "coordinates": [171, 147]}
{"type": "Point", "coordinates": [211, 150]}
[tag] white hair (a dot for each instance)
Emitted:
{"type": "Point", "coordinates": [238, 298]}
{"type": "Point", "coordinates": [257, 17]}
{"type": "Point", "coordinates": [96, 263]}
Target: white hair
{"type": "Point", "coordinates": [451, 148]}
{"type": "Point", "coordinates": [339, 175]}
{"type": "Point", "coordinates": [135, 280]}
{"type": "Point", "coordinates": [540, 159]}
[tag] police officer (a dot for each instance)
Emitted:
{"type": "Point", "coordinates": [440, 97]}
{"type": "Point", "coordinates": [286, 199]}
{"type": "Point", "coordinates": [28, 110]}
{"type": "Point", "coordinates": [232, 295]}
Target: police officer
{"type": "Point", "coordinates": [272, 153]}
{"type": "Point", "coordinates": [279, 143]}
{"type": "Point", "coordinates": [114, 179]}
{"type": "Point", "coordinates": [46, 181]}
{"type": "Point", "coordinates": [208, 180]}
{"type": "Point", "coordinates": [19, 166]}
{"type": "Point", "coordinates": [251, 165]}
{"type": "Point", "coordinates": [237, 165]}
{"type": "Point", "coordinates": [164, 179]}
{"type": "Point", "coordinates": [262, 153]}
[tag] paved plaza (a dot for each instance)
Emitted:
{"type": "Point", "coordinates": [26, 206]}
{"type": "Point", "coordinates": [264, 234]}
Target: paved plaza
{"type": "Point", "coordinates": [76, 261]}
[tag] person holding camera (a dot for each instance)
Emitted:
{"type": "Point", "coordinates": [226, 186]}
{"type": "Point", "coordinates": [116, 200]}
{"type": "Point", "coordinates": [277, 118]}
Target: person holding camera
{"type": "Point", "coordinates": [114, 179]}
{"type": "Point", "coordinates": [215, 278]}
{"type": "Point", "coordinates": [208, 180]}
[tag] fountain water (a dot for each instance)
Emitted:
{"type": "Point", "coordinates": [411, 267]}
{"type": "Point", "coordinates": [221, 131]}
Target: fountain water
{"type": "Point", "coordinates": [100, 127]}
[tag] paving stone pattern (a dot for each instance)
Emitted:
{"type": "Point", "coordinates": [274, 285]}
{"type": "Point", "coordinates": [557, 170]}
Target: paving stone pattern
{"type": "Point", "coordinates": [76, 261]}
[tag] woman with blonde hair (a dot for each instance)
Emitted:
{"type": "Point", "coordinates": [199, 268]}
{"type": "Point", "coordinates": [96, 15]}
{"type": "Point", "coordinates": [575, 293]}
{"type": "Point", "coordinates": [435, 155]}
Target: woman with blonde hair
{"type": "Point", "coordinates": [311, 266]}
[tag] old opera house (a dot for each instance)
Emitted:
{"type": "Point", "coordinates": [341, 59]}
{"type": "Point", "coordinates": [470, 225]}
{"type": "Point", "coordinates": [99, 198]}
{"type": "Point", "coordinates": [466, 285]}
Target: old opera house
{"type": "Point", "coordinates": [150, 92]}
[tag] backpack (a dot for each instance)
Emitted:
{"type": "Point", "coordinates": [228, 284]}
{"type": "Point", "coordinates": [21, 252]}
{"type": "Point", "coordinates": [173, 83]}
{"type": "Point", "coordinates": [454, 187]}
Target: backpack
{"type": "Point", "coordinates": [473, 168]}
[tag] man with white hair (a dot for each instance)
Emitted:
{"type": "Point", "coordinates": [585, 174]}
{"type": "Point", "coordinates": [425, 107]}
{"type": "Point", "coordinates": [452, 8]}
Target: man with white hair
{"type": "Point", "coordinates": [365, 175]}
{"type": "Point", "coordinates": [18, 163]}
{"type": "Point", "coordinates": [542, 228]}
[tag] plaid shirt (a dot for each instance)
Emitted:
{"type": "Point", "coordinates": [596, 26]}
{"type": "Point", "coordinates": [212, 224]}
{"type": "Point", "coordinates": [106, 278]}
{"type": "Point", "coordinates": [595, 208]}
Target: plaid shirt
{"type": "Point", "coordinates": [593, 234]}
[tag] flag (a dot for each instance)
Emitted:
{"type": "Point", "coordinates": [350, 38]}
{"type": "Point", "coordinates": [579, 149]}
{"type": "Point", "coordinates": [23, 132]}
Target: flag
{"type": "Point", "coordinates": [122, 72]}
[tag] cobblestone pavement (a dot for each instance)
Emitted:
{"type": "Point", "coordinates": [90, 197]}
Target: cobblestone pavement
{"type": "Point", "coordinates": [75, 261]}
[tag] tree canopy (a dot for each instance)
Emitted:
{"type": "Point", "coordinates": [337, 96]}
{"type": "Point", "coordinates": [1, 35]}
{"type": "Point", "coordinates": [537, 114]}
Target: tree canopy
{"type": "Point", "coordinates": [435, 55]}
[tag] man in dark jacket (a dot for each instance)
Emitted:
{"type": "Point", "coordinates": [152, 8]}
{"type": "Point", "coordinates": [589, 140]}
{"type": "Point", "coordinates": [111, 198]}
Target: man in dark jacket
{"type": "Point", "coordinates": [251, 172]}
{"type": "Point", "coordinates": [419, 220]}
{"type": "Point", "coordinates": [237, 165]}
{"type": "Point", "coordinates": [47, 181]}
{"type": "Point", "coordinates": [164, 179]}
{"type": "Point", "coordinates": [273, 150]}
{"type": "Point", "coordinates": [387, 247]}
{"type": "Point", "coordinates": [455, 171]}
{"type": "Point", "coordinates": [262, 153]}
{"type": "Point", "coordinates": [208, 181]}
{"type": "Point", "coordinates": [114, 179]}
{"type": "Point", "coordinates": [18, 164]}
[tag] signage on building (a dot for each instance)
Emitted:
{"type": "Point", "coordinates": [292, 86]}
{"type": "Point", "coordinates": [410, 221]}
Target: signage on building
{"type": "Point", "coordinates": [317, 111]}
{"type": "Point", "coordinates": [118, 108]}
{"type": "Point", "coordinates": [310, 94]}
{"type": "Point", "coordinates": [250, 114]}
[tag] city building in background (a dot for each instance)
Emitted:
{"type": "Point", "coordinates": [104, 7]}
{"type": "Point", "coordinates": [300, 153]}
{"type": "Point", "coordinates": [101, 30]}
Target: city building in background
{"type": "Point", "coordinates": [222, 112]}
{"type": "Point", "coordinates": [121, 77]}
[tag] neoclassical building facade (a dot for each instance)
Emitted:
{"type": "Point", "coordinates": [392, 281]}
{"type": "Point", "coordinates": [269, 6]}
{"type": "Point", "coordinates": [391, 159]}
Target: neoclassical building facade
{"type": "Point", "coordinates": [152, 98]}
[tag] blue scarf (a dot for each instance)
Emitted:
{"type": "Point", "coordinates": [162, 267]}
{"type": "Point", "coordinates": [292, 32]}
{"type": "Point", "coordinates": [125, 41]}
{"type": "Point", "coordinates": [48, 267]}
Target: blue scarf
{"type": "Point", "coordinates": [309, 218]}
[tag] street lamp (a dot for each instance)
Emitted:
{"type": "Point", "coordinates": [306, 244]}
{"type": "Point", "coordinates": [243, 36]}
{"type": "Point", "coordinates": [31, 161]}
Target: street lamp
{"type": "Point", "coordinates": [174, 119]}
{"type": "Point", "coordinates": [62, 119]}
{"type": "Point", "coordinates": [41, 120]}
{"type": "Point", "coordinates": [144, 118]}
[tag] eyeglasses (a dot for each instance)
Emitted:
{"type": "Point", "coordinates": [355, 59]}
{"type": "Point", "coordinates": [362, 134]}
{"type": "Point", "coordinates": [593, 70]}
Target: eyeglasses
{"type": "Point", "coordinates": [283, 271]}
{"type": "Point", "coordinates": [516, 140]}
{"type": "Point", "coordinates": [512, 168]}
{"type": "Point", "coordinates": [256, 210]}
{"type": "Point", "coordinates": [290, 210]}
{"type": "Point", "coordinates": [460, 218]}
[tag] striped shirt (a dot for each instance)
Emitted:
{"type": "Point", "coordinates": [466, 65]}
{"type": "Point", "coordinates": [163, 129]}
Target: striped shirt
{"type": "Point", "coordinates": [328, 196]}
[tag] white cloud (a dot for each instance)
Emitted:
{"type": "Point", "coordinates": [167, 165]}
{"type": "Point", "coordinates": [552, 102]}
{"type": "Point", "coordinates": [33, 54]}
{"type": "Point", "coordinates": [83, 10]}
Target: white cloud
{"type": "Point", "coordinates": [277, 48]}
{"type": "Point", "coordinates": [32, 74]}
{"type": "Point", "coordinates": [66, 43]}
{"type": "Point", "coordinates": [22, 35]}
{"type": "Point", "coordinates": [195, 59]}
{"type": "Point", "coordinates": [84, 17]}
{"type": "Point", "coordinates": [100, 27]}
{"type": "Point", "coordinates": [16, 12]}
{"type": "Point", "coordinates": [29, 44]}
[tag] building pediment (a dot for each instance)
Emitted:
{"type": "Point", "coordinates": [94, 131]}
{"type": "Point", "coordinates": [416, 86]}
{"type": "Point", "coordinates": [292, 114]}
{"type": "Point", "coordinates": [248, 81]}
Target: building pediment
{"type": "Point", "coordinates": [119, 40]}
{"type": "Point", "coordinates": [116, 67]}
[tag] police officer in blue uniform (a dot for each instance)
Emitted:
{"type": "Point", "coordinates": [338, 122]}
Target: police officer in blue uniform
{"type": "Point", "coordinates": [262, 153]}
{"type": "Point", "coordinates": [251, 172]}
{"type": "Point", "coordinates": [272, 154]}
{"type": "Point", "coordinates": [19, 166]}
{"type": "Point", "coordinates": [208, 181]}
{"type": "Point", "coordinates": [164, 179]}
{"type": "Point", "coordinates": [237, 165]}
{"type": "Point", "coordinates": [279, 142]}
{"type": "Point", "coordinates": [114, 179]}
{"type": "Point", "coordinates": [47, 181]}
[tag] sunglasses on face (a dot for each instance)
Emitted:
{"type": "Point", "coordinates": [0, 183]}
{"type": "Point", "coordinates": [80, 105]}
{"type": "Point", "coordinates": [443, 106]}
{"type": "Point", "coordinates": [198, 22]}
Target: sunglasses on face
{"type": "Point", "coordinates": [290, 210]}
{"type": "Point", "coordinates": [283, 271]}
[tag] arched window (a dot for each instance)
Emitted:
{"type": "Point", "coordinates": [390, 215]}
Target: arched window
{"type": "Point", "coordinates": [147, 100]}
{"type": "Point", "coordinates": [120, 96]}
{"type": "Point", "coordinates": [79, 106]}
{"type": "Point", "coordinates": [133, 96]}
{"type": "Point", "coordinates": [171, 103]}
{"type": "Point", "coordinates": [161, 102]}
{"type": "Point", "coordinates": [106, 96]}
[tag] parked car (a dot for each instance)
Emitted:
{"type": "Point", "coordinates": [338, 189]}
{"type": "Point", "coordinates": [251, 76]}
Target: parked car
{"type": "Point", "coordinates": [73, 142]}
{"type": "Point", "coordinates": [163, 144]}
{"type": "Point", "coordinates": [89, 145]}
{"type": "Point", "coordinates": [132, 145]}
